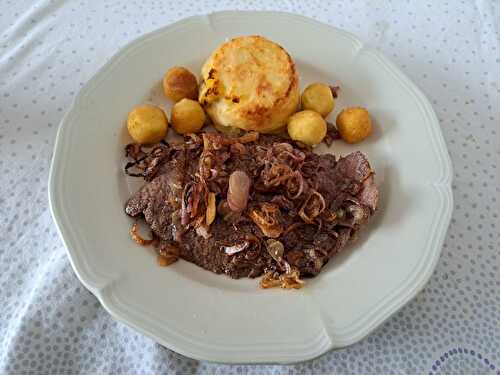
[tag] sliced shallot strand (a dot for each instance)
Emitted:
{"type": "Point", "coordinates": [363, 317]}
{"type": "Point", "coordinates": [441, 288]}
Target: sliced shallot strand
{"type": "Point", "coordinates": [312, 207]}
{"type": "Point", "coordinates": [231, 250]}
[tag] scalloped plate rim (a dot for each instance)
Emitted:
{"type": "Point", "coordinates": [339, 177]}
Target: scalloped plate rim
{"type": "Point", "coordinates": [102, 286]}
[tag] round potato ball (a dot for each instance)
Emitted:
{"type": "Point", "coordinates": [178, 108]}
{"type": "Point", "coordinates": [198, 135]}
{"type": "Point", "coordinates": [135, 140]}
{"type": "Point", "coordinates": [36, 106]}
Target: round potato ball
{"type": "Point", "coordinates": [147, 124]}
{"type": "Point", "coordinates": [307, 127]}
{"type": "Point", "coordinates": [354, 124]}
{"type": "Point", "coordinates": [187, 116]}
{"type": "Point", "coordinates": [318, 97]}
{"type": "Point", "coordinates": [180, 83]}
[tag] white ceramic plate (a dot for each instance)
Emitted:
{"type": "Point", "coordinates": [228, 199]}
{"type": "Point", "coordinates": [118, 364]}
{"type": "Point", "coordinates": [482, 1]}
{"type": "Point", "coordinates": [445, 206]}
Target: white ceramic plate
{"type": "Point", "coordinates": [211, 317]}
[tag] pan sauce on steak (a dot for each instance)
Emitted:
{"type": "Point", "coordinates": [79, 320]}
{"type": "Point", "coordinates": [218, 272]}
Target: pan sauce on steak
{"type": "Point", "coordinates": [279, 209]}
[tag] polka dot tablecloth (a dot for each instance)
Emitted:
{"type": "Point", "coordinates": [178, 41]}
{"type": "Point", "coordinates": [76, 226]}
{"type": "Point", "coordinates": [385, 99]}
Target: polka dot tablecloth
{"type": "Point", "coordinates": [50, 324]}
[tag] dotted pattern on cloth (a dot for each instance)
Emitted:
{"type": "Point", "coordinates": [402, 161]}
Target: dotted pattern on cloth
{"type": "Point", "coordinates": [51, 324]}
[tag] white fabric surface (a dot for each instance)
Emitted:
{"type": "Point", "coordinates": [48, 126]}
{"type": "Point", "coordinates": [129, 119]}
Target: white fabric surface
{"type": "Point", "coordinates": [50, 324]}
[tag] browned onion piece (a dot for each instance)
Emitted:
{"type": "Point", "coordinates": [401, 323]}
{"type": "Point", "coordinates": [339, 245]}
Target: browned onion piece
{"type": "Point", "coordinates": [270, 280]}
{"type": "Point", "coordinates": [137, 237]}
{"type": "Point", "coordinates": [214, 141]}
{"type": "Point", "coordinates": [196, 198]}
{"type": "Point", "coordinates": [188, 194]}
{"type": "Point", "coordinates": [231, 250]}
{"type": "Point", "coordinates": [148, 164]}
{"type": "Point", "coordinates": [134, 151]}
{"type": "Point", "coordinates": [158, 155]}
{"type": "Point", "coordinates": [331, 134]}
{"type": "Point", "coordinates": [335, 91]}
{"type": "Point", "coordinates": [275, 249]}
{"type": "Point", "coordinates": [193, 141]}
{"type": "Point", "coordinates": [312, 207]}
{"type": "Point", "coordinates": [178, 145]}
{"type": "Point", "coordinates": [292, 158]}
{"type": "Point", "coordinates": [280, 147]}
{"type": "Point", "coordinates": [206, 166]}
{"type": "Point", "coordinates": [288, 280]}
{"type": "Point", "coordinates": [329, 216]}
{"type": "Point", "coordinates": [261, 154]}
{"type": "Point", "coordinates": [291, 280]}
{"type": "Point", "coordinates": [309, 168]}
{"type": "Point", "coordinates": [166, 261]}
{"type": "Point", "coordinates": [167, 254]}
{"type": "Point", "coordinates": [267, 217]}
{"type": "Point", "coordinates": [248, 137]}
{"type": "Point", "coordinates": [276, 174]}
{"type": "Point", "coordinates": [295, 185]}
{"type": "Point", "coordinates": [238, 191]}
{"type": "Point", "coordinates": [211, 209]}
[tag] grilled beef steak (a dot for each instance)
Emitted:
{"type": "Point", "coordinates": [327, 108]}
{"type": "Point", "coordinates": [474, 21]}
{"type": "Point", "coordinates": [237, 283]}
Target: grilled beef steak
{"type": "Point", "coordinates": [277, 207]}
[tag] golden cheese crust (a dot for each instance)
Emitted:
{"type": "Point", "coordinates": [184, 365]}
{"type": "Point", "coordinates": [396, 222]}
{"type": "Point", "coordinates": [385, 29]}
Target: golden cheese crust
{"type": "Point", "coordinates": [251, 83]}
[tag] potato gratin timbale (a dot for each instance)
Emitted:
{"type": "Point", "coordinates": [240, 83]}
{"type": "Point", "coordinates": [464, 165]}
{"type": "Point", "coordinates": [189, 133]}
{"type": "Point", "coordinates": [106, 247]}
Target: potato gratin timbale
{"type": "Point", "coordinates": [250, 83]}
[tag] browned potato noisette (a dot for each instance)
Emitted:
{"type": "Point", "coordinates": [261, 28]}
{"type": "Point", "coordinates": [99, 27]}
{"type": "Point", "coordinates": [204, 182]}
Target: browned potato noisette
{"type": "Point", "coordinates": [179, 83]}
{"type": "Point", "coordinates": [307, 127]}
{"type": "Point", "coordinates": [147, 124]}
{"type": "Point", "coordinates": [354, 124]}
{"type": "Point", "coordinates": [187, 116]}
{"type": "Point", "coordinates": [318, 97]}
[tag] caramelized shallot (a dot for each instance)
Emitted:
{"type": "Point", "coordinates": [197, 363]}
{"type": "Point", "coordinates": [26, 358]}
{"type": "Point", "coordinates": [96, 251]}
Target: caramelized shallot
{"type": "Point", "coordinates": [206, 166]}
{"type": "Point", "coordinates": [134, 151]}
{"type": "Point", "coordinates": [275, 249]}
{"type": "Point", "coordinates": [211, 210]}
{"type": "Point", "coordinates": [192, 140]}
{"type": "Point", "coordinates": [214, 141]}
{"type": "Point", "coordinates": [312, 207]}
{"type": "Point", "coordinates": [291, 280]}
{"type": "Point", "coordinates": [283, 146]}
{"type": "Point", "coordinates": [331, 134]}
{"type": "Point", "coordinates": [288, 280]}
{"type": "Point", "coordinates": [168, 254]}
{"type": "Point", "coordinates": [329, 216]}
{"type": "Point", "coordinates": [248, 137]}
{"type": "Point", "coordinates": [186, 203]}
{"type": "Point", "coordinates": [273, 175]}
{"type": "Point", "coordinates": [335, 91]}
{"type": "Point", "coordinates": [137, 237]}
{"type": "Point", "coordinates": [270, 280]}
{"type": "Point", "coordinates": [267, 217]}
{"type": "Point", "coordinates": [295, 185]}
{"type": "Point", "coordinates": [238, 191]}
{"type": "Point", "coordinates": [231, 250]}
